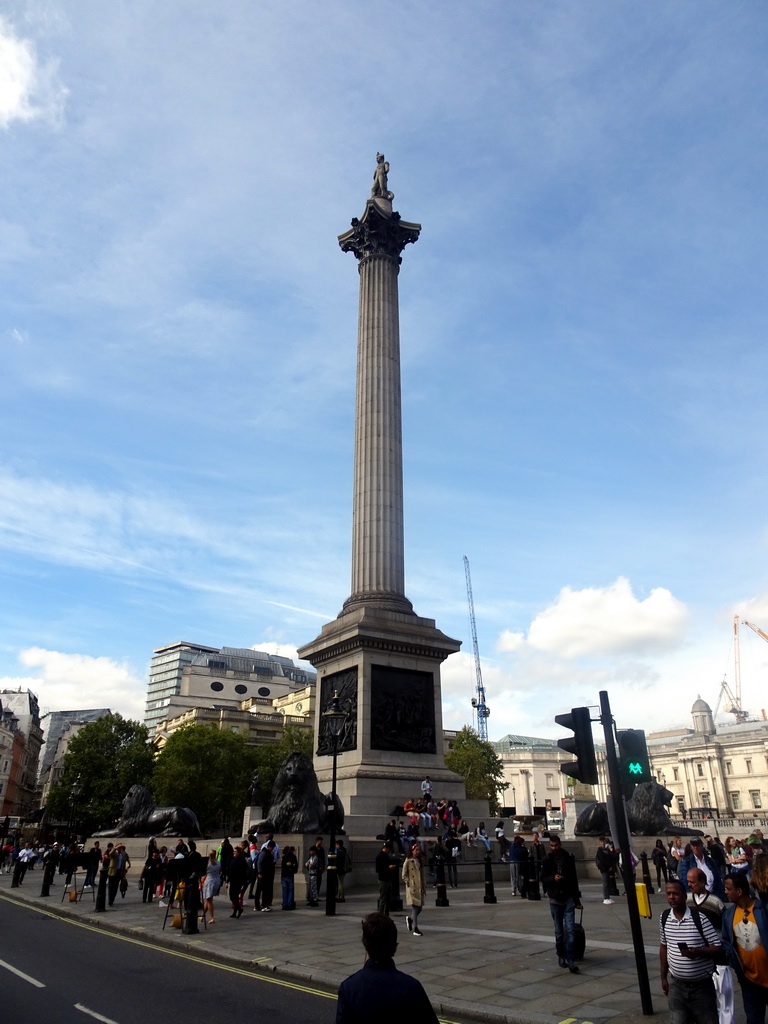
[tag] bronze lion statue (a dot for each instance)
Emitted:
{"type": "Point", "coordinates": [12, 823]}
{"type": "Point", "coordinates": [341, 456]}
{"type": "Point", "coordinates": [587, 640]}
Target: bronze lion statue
{"type": "Point", "coordinates": [297, 803]}
{"type": "Point", "coordinates": [646, 812]}
{"type": "Point", "coordinates": [140, 817]}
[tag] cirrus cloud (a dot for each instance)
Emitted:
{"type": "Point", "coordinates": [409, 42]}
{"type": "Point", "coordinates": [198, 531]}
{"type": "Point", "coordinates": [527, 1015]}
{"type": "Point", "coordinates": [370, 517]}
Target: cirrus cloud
{"type": "Point", "coordinates": [29, 89]}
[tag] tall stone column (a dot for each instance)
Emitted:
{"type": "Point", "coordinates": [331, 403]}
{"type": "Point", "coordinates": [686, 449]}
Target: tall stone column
{"type": "Point", "coordinates": [382, 658]}
{"type": "Point", "coordinates": [378, 568]}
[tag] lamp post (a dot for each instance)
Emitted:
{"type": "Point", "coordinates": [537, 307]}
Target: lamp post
{"type": "Point", "coordinates": [335, 717]}
{"type": "Point", "coordinates": [77, 789]}
{"type": "Point", "coordinates": [514, 801]}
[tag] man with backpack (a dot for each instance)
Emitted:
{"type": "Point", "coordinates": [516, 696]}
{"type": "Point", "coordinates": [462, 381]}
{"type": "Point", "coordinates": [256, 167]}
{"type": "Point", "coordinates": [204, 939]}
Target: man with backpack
{"type": "Point", "coordinates": [688, 948]}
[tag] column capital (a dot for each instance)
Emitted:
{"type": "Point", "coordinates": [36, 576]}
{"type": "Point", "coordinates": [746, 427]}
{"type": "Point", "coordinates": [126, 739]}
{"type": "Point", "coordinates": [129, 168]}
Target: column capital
{"type": "Point", "coordinates": [379, 232]}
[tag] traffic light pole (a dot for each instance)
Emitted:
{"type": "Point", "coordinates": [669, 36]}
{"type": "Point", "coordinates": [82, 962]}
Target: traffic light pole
{"type": "Point", "coordinates": [622, 838]}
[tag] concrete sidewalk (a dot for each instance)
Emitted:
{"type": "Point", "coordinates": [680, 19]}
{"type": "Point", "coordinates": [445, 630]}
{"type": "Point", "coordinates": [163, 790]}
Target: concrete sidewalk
{"type": "Point", "coordinates": [478, 962]}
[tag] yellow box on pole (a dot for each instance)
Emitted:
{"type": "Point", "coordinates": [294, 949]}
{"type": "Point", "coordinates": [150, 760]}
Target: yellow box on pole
{"type": "Point", "coordinates": [643, 903]}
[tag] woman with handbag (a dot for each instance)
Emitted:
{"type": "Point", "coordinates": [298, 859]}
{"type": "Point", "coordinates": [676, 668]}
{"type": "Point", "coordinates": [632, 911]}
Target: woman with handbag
{"type": "Point", "coordinates": [415, 889]}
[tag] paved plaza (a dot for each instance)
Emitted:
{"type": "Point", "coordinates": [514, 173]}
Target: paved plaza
{"type": "Point", "coordinates": [476, 961]}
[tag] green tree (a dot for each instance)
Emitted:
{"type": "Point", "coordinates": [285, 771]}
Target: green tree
{"type": "Point", "coordinates": [109, 755]}
{"type": "Point", "coordinates": [207, 770]}
{"type": "Point", "coordinates": [479, 765]}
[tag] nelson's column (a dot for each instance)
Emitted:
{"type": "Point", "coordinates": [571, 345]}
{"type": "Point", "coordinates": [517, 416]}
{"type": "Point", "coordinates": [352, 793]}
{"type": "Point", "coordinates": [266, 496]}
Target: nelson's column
{"type": "Point", "coordinates": [383, 659]}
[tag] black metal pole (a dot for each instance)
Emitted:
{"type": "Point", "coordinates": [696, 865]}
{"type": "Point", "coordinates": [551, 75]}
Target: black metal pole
{"type": "Point", "coordinates": [646, 873]}
{"type": "Point", "coordinates": [441, 898]}
{"type": "Point", "coordinates": [330, 891]}
{"type": "Point", "coordinates": [622, 835]}
{"type": "Point", "coordinates": [490, 893]}
{"type": "Point", "coordinates": [101, 893]}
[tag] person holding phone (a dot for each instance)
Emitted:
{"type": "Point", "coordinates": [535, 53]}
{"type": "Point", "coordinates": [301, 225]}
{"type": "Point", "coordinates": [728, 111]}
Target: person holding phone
{"type": "Point", "coordinates": [688, 949]}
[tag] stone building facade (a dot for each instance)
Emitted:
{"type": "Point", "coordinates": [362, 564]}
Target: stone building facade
{"type": "Point", "coordinates": [713, 771]}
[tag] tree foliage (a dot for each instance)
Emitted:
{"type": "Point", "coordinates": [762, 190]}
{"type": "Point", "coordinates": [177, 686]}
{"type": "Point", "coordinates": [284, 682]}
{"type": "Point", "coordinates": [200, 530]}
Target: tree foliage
{"type": "Point", "coordinates": [109, 755]}
{"type": "Point", "coordinates": [269, 757]}
{"type": "Point", "coordinates": [208, 770]}
{"type": "Point", "coordinates": [479, 765]}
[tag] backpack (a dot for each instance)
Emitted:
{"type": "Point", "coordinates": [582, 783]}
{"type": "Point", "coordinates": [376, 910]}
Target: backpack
{"type": "Point", "coordinates": [696, 915]}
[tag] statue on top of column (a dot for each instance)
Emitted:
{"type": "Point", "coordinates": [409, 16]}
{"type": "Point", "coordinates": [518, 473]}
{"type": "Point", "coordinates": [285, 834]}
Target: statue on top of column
{"type": "Point", "coordinates": [379, 190]}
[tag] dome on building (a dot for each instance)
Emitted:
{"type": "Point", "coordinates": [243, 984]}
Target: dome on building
{"type": "Point", "coordinates": [703, 721]}
{"type": "Point", "coordinates": [701, 705]}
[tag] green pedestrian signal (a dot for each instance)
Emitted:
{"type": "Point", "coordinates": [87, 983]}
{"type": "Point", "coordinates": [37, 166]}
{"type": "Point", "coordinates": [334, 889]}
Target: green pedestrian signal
{"type": "Point", "coordinates": [634, 763]}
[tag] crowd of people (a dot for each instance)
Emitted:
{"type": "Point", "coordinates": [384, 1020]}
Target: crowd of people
{"type": "Point", "coordinates": [717, 920]}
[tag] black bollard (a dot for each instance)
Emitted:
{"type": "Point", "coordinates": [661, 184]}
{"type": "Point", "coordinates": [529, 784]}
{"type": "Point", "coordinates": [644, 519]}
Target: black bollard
{"type": "Point", "coordinates": [441, 900]}
{"type": "Point", "coordinates": [16, 880]}
{"type": "Point", "coordinates": [191, 906]}
{"type": "Point", "coordinates": [490, 894]}
{"type": "Point", "coordinates": [101, 892]}
{"type": "Point", "coordinates": [48, 872]}
{"type": "Point", "coordinates": [395, 901]}
{"type": "Point", "coordinates": [532, 890]}
{"type": "Point", "coordinates": [646, 873]}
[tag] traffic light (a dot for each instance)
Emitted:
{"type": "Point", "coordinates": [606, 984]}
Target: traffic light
{"type": "Point", "coordinates": [634, 764]}
{"type": "Point", "coordinates": [581, 745]}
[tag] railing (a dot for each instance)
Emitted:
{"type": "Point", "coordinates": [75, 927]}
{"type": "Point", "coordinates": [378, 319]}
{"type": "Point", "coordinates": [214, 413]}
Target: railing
{"type": "Point", "coordinates": [739, 824]}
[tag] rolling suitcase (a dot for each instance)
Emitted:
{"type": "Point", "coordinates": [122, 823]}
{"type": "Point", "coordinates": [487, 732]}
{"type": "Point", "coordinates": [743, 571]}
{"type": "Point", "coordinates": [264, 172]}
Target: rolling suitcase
{"type": "Point", "coordinates": [579, 938]}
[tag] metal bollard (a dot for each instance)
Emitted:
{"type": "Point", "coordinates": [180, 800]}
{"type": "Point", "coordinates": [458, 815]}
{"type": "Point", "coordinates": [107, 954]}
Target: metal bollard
{"type": "Point", "coordinates": [441, 899]}
{"type": "Point", "coordinates": [646, 873]}
{"type": "Point", "coordinates": [490, 894]}
{"type": "Point", "coordinates": [532, 891]}
{"type": "Point", "coordinates": [191, 906]}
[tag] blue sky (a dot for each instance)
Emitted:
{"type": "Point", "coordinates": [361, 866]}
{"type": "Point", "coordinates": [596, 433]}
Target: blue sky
{"type": "Point", "coordinates": [582, 328]}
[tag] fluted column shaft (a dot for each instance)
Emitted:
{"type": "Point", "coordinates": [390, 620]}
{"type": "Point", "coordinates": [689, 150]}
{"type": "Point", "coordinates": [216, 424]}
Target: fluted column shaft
{"type": "Point", "coordinates": [378, 564]}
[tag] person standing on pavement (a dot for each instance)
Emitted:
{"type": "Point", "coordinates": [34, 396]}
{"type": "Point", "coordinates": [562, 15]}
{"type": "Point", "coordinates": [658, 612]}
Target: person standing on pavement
{"type": "Point", "coordinates": [379, 993]}
{"type": "Point", "coordinates": [558, 876]}
{"type": "Point", "coordinates": [265, 868]}
{"type": "Point", "coordinates": [745, 939]}
{"type": "Point", "coordinates": [452, 851]}
{"type": "Point", "coordinates": [415, 889]}
{"type": "Point", "coordinates": [606, 861]}
{"type": "Point", "coordinates": [517, 855]}
{"type": "Point", "coordinates": [289, 865]}
{"type": "Point", "coordinates": [699, 858]}
{"type": "Point", "coordinates": [688, 947]}
{"type": "Point", "coordinates": [320, 851]}
{"type": "Point", "coordinates": [385, 865]}
{"type": "Point", "coordinates": [237, 872]}
{"type": "Point", "coordinates": [211, 885]}
{"type": "Point", "coordinates": [342, 867]}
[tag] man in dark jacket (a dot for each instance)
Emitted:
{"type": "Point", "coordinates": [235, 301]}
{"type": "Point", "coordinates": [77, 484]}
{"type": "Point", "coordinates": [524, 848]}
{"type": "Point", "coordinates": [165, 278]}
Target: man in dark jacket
{"type": "Point", "coordinates": [265, 869]}
{"type": "Point", "coordinates": [699, 858]}
{"type": "Point", "coordinates": [379, 993]}
{"type": "Point", "coordinates": [607, 862]}
{"type": "Point", "coordinates": [558, 876]}
{"type": "Point", "coordinates": [386, 866]}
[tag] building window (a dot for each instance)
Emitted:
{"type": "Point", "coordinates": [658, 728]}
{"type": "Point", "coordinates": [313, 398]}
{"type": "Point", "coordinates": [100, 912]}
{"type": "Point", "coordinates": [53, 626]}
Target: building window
{"type": "Point", "coordinates": [676, 774]}
{"type": "Point", "coordinates": [704, 799]}
{"type": "Point", "coordinates": [550, 781]}
{"type": "Point", "coordinates": [735, 800]}
{"type": "Point", "coordinates": [217, 687]}
{"type": "Point", "coordinates": [700, 769]}
{"type": "Point", "coordinates": [263, 691]}
{"type": "Point", "coordinates": [681, 803]}
{"type": "Point", "coordinates": [241, 689]}
{"type": "Point", "coordinates": [754, 795]}
{"type": "Point", "coordinates": [748, 763]}
{"type": "Point", "coordinates": [729, 767]}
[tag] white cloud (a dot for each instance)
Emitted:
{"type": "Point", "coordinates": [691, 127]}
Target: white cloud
{"type": "Point", "coordinates": [64, 682]}
{"type": "Point", "coordinates": [29, 90]}
{"type": "Point", "coordinates": [599, 621]}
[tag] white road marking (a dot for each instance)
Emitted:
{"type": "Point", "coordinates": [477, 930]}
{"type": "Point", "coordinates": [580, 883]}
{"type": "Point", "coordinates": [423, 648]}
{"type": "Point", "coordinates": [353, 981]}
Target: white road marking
{"type": "Point", "coordinates": [92, 1013]}
{"type": "Point", "coordinates": [21, 974]}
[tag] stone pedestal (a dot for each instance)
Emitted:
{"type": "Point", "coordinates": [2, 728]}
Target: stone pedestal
{"type": "Point", "coordinates": [251, 815]}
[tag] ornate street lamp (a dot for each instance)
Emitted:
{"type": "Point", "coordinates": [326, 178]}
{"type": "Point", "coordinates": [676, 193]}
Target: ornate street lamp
{"type": "Point", "coordinates": [74, 795]}
{"type": "Point", "coordinates": [335, 718]}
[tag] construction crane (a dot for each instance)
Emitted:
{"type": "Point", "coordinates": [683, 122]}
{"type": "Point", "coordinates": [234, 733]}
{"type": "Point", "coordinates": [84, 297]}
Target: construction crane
{"type": "Point", "coordinates": [482, 710]}
{"type": "Point", "coordinates": [733, 697]}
